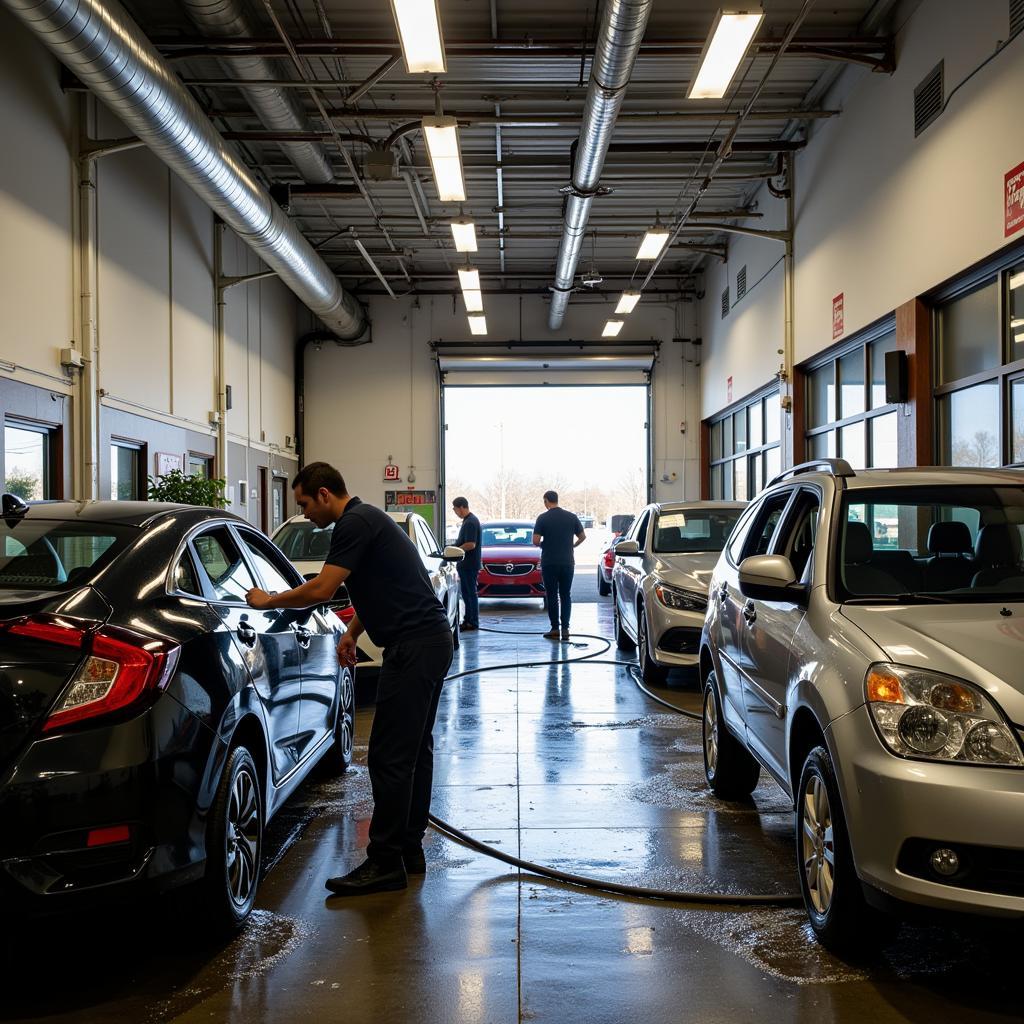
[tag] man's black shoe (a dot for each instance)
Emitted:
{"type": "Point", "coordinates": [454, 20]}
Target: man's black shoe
{"type": "Point", "coordinates": [368, 877]}
{"type": "Point", "coordinates": [468, 626]}
{"type": "Point", "coordinates": [415, 862]}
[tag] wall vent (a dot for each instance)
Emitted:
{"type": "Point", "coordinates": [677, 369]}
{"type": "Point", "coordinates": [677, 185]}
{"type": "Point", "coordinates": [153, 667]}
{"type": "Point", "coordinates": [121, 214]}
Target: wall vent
{"type": "Point", "coordinates": [741, 283]}
{"type": "Point", "coordinates": [928, 98]}
{"type": "Point", "coordinates": [725, 302]}
{"type": "Point", "coordinates": [1016, 16]}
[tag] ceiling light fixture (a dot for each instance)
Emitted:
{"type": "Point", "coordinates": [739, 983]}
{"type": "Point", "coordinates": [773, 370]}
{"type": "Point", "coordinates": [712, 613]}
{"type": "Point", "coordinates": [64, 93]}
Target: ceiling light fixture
{"type": "Point", "coordinates": [612, 328]}
{"type": "Point", "coordinates": [478, 324]}
{"type": "Point", "coordinates": [627, 303]}
{"type": "Point", "coordinates": [654, 241]}
{"type": "Point", "coordinates": [469, 278]}
{"type": "Point", "coordinates": [474, 301]}
{"type": "Point", "coordinates": [730, 37]}
{"type": "Point", "coordinates": [464, 233]}
{"type": "Point", "coordinates": [442, 135]}
{"type": "Point", "coordinates": [419, 30]}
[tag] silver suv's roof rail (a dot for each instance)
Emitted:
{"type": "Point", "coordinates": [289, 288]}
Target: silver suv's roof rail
{"type": "Point", "coordinates": [837, 467]}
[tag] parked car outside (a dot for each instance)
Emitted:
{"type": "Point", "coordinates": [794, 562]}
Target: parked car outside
{"type": "Point", "coordinates": [586, 521]}
{"type": "Point", "coordinates": [510, 565]}
{"type": "Point", "coordinates": [151, 723]}
{"type": "Point", "coordinates": [604, 568]}
{"type": "Point", "coordinates": [863, 645]}
{"type": "Point", "coordinates": [306, 547]}
{"type": "Point", "coordinates": [619, 524]}
{"type": "Point", "coordinates": [660, 581]}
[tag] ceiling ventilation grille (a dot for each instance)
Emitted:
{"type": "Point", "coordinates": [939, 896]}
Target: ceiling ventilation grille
{"type": "Point", "coordinates": [928, 99]}
{"type": "Point", "coordinates": [1016, 16]}
{"type": "Point", "coordinates": [741, 283]}
{"type": "Point", "coordinates": [725, 302]}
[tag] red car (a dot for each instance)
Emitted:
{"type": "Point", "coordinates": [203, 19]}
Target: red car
{"type": "Point", "coordinates": [605, 566]}
{"type": "Point", "coordinates": [510, 564]}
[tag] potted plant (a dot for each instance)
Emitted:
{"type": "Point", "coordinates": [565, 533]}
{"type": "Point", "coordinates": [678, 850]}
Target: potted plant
{"type": "Point", "coordinates": [175, 487]}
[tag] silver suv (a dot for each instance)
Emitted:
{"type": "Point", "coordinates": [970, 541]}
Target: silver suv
{"type": "Point", "coordinates": [864, 643]}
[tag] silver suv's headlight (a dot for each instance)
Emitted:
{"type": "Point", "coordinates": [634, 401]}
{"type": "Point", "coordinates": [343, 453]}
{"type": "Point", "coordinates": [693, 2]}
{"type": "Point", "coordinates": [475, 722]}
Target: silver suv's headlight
{"type": "Point", "coordinates": [938, 718]}
{"type": "Point", "coordinates": [681, 600]}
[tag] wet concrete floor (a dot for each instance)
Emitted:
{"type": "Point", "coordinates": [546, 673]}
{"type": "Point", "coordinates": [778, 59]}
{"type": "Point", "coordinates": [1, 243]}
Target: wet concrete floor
{"type": "Point", "coordinates": [568, 765]}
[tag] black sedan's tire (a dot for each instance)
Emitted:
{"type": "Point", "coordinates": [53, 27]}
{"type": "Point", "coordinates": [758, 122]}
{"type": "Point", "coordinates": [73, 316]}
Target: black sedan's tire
{"type": "Point", "coordinates": [622, 638]}
{"type": "Point", "coordinates": [731, 771]}
{"type": "Point", "coordinates": [234, 844]}
{"type": "Point", "coordinates": [653, 673]}
{"type": "Point", "coordinates": [603, 588]}
{"type": "Point", "coordinates": [338, 759]}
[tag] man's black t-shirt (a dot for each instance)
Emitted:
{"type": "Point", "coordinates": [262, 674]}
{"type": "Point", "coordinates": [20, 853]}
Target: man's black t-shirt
{"type": "Point", "coordinates": [470, 531]}
{"type": "Point", "coordinates": [389, 586]}
{"type": "Point", "coordinates": [558, 528]}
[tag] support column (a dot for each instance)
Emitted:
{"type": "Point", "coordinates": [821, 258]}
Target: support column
{"type": "Point", "coordinates": [915, 434]}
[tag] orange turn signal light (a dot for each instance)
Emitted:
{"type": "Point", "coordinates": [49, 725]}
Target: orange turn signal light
{"type": "Point", "coordinates": [884, 687]}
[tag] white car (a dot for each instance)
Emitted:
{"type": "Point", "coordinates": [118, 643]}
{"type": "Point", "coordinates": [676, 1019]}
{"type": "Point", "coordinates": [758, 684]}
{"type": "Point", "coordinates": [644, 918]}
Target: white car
{"type": "Point", "coordinates": [306, 547]}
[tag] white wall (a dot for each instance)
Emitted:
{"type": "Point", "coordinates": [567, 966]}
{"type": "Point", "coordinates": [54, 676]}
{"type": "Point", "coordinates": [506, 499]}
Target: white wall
{"type": "Point", "coordinates": [882, 217]}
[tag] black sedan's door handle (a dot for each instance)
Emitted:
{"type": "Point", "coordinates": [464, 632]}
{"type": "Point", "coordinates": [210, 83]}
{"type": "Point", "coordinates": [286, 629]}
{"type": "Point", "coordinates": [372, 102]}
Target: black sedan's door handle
{"type": "Point", "coordinates": [246, 634]}
{"type": "Point", "coordinates": [304, 636]}
{"type": "Point", "coordinates": [750, 613]}
{"type": "Point", "coordinates": [723, 592]}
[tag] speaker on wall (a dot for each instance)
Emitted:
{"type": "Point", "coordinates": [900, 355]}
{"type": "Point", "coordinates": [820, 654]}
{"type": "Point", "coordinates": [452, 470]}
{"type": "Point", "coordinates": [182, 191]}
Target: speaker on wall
{"type": "Point", "coordinates": [896, 376]}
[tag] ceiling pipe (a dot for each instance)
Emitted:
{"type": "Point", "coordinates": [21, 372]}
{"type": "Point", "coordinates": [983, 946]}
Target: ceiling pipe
{"type": "Point", "coordinates": [101, 44]}
{"type": "Point", "coordinates": [276, 107]}
{"type": "Point", "coordinates": [622, 30]}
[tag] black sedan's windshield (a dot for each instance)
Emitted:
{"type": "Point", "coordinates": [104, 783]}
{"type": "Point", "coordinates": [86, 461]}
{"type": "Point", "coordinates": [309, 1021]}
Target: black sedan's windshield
{"type": "Point", "coordinates": [694, 530]}
{"type": "Point", "coordinates": [55, 554]}
{"type": "Point", "coordinates": [927, 544]}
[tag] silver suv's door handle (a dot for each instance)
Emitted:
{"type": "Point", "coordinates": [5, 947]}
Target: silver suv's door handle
{"type": "Point", "coordinates": [303, 636]}
{"type": "Point", "coordinates": [750, 613]}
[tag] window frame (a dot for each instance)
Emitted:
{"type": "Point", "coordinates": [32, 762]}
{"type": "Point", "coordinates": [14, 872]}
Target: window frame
{"type": "Point", "coordinates": [753, 456]}
{"type": "Point", "coordinates": [53, 482]}
{"type": "Point", "coordinates": [141, 448]}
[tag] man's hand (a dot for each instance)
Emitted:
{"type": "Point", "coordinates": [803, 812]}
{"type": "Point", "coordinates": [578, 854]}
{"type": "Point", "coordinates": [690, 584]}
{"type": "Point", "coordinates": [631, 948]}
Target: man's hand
{"type": "Point", "coordinates": [258, 599]}
{"type": "Point", "coordinates": [347, 651]}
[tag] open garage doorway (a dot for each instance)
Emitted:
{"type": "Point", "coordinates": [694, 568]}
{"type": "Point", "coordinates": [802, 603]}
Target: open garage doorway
{"type": "Point", "coordinates": [505, 445]}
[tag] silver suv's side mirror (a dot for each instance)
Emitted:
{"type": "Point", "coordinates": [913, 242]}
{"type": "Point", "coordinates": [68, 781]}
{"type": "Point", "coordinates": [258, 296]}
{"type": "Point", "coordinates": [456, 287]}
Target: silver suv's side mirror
{"type": "Point", "coordinates": [770, 578]}
{"type": "Point", "coordinates": [453, 554]}
{"type": "Point", "coordinates": [627, 549]}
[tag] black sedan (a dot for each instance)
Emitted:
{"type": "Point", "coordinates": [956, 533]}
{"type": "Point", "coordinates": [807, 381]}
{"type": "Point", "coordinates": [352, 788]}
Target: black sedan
{"type": "Point", "coordinates": [150, 722]}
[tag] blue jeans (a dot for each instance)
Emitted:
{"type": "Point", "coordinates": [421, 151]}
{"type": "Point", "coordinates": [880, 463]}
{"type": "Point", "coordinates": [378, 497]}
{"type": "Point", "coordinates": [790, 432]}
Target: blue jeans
{"type": "Point", "coordinates": [468, 583]}
{"type": "Point", "coordinates": [558, 587]}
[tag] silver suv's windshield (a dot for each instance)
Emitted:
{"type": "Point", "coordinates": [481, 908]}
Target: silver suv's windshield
{"type": "Point", "coordinates": [932, 544]}
{"type": "Point", "coordinates": [693, 530]}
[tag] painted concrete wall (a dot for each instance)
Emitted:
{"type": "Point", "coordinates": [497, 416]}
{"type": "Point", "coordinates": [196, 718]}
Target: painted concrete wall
{"type": "Point", "coordinates": [881, 216]}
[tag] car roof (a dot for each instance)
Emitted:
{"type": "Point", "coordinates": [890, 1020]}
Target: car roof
{"type": "Point", "coordinates": [923, 476]}
{"type": "Point", "coordinates": [684, 506]}
{"type": "Point", "coordinates": [120, 513]}
{"type": "Point", "coordinates": [509, 522]}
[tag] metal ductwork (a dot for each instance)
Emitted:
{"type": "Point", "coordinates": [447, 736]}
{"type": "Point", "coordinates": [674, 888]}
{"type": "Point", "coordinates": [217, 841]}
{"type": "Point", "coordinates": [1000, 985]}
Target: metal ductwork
{"type": "Point", "coordinates": [101, 44]}
{"type": "Point", "coordinates": [275, 107]}
{"type": "Point", "coordinates": [623, 23]}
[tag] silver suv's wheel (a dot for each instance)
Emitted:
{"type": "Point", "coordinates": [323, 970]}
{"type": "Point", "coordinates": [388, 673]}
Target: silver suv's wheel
{"type": "Point", "coordinates": [818, 844]}
{"type": "Point", "coordinates": [729, 769]}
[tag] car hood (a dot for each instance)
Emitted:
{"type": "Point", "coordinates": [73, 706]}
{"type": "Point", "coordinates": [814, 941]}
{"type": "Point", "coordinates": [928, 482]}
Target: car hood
{"type": "Point", "coordinates": [512, 553]}
{"type": "Point", "coordinates": [971, 641]}
{"type": "Point", "coordinates": [690, 572]}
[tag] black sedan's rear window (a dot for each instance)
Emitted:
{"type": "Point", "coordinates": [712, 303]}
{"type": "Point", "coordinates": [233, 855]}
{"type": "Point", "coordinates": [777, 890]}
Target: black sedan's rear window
{"type": "Point", "coordinates": [57, 554]}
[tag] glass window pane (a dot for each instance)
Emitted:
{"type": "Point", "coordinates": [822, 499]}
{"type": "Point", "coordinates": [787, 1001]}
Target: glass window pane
{"type": "Point", "coordinates": [821, 396]}
{"type": "Point", "coordinates": [223, 563]}
{"type": "Point", "coordinates": [772, 464]}
{"type": "Point", "coordinates": [716, 441]}
{"type": "Point", "coordinates": [1016, 306]}
{"type": "Point", "coordinates": [716, 481]}
{"type": "Point", "coordinates": [970, 425]}
{"type": "Point", "coordinates": [739, 430]}
{"type": "Point", "coordinates": [755, 432]}
{"type": "Point", "coordinates": [884, 453]}
{"type": "Point", "coordinates": [756, 481]}
{"type": "Point", "coordinates": [727, 481]}
{"type": "Point", "coordinates": [199, 465]}
{"type": "Point", "coordinates": [124, 473]}
{"type": "Point", "coordinates": [877, 356]}
{"type": "Point", "coordinates": [26, 459]}
{"type": "Point", "coordinates": [273, 580]}
{"type": "Point", "coordinates": [852, 446]}
{"type": "Point", "coordinates": [822, 446]}
{"type": "Point", "coordinates": [772, 418]}
{"type": "Point", "coordinates": [727, 448]}
{"type": "Point", "coordinates": [969, 334]}
{"type": "Point", "coordinates": [1017, 420]}
{"type": "Point", "coordinates": [740, 487]}
{"type": "Point", "coordinates": [851, 384]}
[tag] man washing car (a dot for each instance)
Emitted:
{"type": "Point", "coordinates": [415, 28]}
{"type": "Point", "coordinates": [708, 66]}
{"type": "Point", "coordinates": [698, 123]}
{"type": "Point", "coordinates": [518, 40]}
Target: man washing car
{"type": "Point", "coordinates": [396, 605]}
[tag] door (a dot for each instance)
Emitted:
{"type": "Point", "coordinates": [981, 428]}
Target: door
{"type": "Point", "coordinates": [265, 639]}
{"type": "Point", "coordinates": [771, 627]}
{"type": "Point", "coordinates": [630, 572]}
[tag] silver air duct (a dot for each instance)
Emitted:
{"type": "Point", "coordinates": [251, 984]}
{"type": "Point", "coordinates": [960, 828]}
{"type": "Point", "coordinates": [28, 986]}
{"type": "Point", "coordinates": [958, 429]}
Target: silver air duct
{"type": "Point", "coordinates": [101, 44]}
{"type": "Point", "coordinates": [622, 29]}
{"type": "Point", "coordinates": [275, 107]}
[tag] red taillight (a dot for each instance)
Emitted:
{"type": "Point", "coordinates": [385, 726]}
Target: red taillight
{"type": "Point", "coordinates": [609, 558]}
{"type": "Point", "coordinates": [108, 836]}
{"type": "Point", "coordinates": [345, 614]}
{"type": "Point", "coordinates": [51, 630]}
{"type": "Point", "coordinates": [121, 669]}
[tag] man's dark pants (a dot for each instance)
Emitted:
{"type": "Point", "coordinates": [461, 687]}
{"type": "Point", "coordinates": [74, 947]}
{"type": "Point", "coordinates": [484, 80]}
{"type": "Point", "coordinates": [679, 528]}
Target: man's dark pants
{"type": "Point", "coordinates": [468, 576]}
{"type": "Point", "coordinates": [401, 750]}
{"type": "Point", "coordinates": [558, 587]}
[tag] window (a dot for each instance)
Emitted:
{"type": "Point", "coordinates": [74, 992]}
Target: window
{"type": "Point", "coordinates": [760, 538]}
{"type": "Point", "coordinates": [200, 465]}
{"type": "Point", "coordinates": [800, 542]}
{"type": "Point", "coordinates": [694, 530]}
{"type": "Point", "coordinates": [640, 533]}
{"type": "Point", "coordinates": [274, 581]}
{"type": "Point", "coordinates": [28, 461]}
{"type": "Point", "coordinates": [847, 416]}
{"type": "Point", "coordinates": [185, 578]}
{"type": "Point", "coordinates": [222, 561]}
{"type": "Point", "coordinates": [745, 454]}
{"type": "Point", "coordinates": [428, 543]}
{"type": "Point", "coordinates": [56, 554]}
{"type": "Point", "coordinates": [506, 534]}
{"type": "Point", "coordinates": [127, 462]}
{"type": "Point", "coordinates": [304, 542]}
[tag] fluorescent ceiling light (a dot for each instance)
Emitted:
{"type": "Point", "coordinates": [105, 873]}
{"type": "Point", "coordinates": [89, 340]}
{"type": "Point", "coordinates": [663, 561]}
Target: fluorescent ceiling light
{"type": "Point", "coordinates": [478, 324]}
{"type": "Point", "coordinates": [464, 233]}
{"type": "Point", "coordinates": [442, 135]}
{"type": "Point", "coordinates": [419, 29]}
{"type": "Point", "coordinates": [474, 301]}
{"type": "Point", "coordinates": [469, 279]}
{"type": "Point", "coordinates": [627, 303]}
{"type": "Point", "coordinates": [727, 42]}
{"type": "Point", "coordinates": [1017, 281]}
{"type": "Point", "coordinates": [654, 241]}
{"type": "Point", "coordinates": [612, 328]}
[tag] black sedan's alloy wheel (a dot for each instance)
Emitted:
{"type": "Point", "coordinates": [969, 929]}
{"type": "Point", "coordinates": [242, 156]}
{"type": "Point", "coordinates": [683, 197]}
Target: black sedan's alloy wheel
{"type": "Point", "coordinates": [338, 759]}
